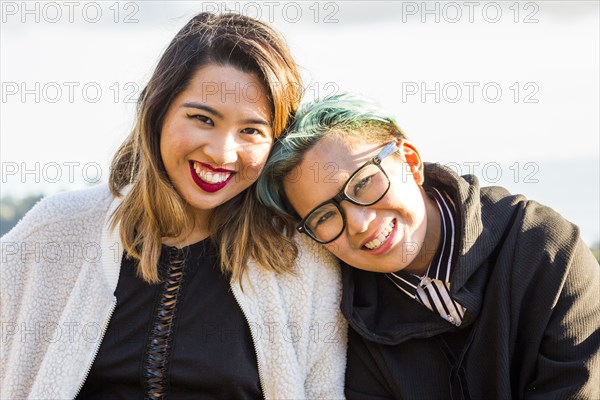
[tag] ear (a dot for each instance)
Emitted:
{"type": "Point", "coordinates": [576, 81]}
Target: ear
{"type": "Point", "coordinates": [411, 156]}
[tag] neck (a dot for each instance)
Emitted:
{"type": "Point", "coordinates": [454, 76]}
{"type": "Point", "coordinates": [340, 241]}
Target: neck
{"type": "Point", "coordinates": [198, 232]}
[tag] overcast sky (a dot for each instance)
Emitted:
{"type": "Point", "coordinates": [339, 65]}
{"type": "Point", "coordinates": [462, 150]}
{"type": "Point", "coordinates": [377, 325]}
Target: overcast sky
{"type": "Point", "coordinates": [506, 90]}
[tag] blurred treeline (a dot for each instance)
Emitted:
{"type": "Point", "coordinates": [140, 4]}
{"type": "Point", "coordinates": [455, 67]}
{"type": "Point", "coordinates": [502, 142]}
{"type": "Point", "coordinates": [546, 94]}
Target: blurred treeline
{"type": "Point", "coordinates": [13, 209]}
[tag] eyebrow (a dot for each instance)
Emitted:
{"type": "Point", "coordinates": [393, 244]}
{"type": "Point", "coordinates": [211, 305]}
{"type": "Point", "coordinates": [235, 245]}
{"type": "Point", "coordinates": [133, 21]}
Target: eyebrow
{"type": "Point", "coordinates": [253, 121]}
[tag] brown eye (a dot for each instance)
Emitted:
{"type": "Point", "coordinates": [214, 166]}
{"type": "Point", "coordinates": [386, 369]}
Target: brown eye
{"type": "Point", "coordinates": [362, 184]}
{"type": "Point", "coordinates": [251, 131]}
{"type": "Point", "coordinates": [202, 118]}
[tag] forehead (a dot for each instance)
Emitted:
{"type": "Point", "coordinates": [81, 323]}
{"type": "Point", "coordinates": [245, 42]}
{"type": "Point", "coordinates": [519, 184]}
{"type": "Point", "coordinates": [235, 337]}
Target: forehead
{"type": "Point", "coordinates": [339, 154]}
{"type": "Point", "coordinates": [324, 170]}
{"type": "Point", "coordinates": [227, 86]}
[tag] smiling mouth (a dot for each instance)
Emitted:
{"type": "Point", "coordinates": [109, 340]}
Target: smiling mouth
{"type": "Point", "coordinates": [209, 179]}
{"type": "Point", "coordinates": [382, 238]}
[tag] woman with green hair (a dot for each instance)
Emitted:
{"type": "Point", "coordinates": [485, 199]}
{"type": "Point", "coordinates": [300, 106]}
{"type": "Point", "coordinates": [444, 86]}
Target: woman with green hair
{"type": "Point", "coordinates": [451, 290]}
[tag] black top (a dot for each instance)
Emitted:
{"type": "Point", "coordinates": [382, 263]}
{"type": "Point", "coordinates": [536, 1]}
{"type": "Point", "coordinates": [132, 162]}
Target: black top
{"type": "Point", "coordinates": [184, 338]}
{"type": "Point", "coordinates": [532, 326]}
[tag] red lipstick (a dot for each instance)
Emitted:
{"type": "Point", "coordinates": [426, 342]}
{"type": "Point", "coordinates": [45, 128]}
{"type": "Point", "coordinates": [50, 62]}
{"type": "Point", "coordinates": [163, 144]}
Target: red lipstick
{"type": "Point", "coordinates": [213, 168]}
{"type": "Point", "coordinates": [210, 187]}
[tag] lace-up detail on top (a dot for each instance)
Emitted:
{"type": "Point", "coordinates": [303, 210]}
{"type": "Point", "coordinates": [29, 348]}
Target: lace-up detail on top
{"type": "Point", "coordinates": [158, 348]}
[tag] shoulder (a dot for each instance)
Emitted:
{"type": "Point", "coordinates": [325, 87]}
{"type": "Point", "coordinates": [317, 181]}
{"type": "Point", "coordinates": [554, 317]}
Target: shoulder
{"type": "Point", "coordinates": [542, 223]}
{"type": "Point", "coordinates": [315, 276]}
{"type": "Point", "coordinates": [313, 259]}
{"type": "Point", "coordinates": [553, 245]}
{"type": "Point", "coordinates": [527, 223]}
{"type": "Point", "coordinates": [315, 271]}
{"type": "Point", "coordinates": [314, 266]}
{"type": "Point", "coordinates": [541, 248]}
{"type": "Point", "coordinates": [543, 235]}
{"type": "Point", "coordinates": [315, 283]}
{"type": "Point", "coordinates": [62, 209]}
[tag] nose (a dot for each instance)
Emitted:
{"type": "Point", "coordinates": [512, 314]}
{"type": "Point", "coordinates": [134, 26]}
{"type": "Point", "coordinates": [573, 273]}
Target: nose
{"type": "Point", "coordinates": [357, 218]}
{"type": "Point", "coordinates": [222, 148]}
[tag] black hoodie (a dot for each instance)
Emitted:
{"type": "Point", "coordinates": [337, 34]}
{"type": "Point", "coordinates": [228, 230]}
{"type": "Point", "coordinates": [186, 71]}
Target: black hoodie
{"type": "Point", "coordinates": [531, 288]}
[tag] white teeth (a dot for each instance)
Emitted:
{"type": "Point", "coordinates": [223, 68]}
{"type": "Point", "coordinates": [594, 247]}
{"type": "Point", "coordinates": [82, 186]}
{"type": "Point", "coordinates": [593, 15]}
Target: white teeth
{"type": "Point", "coordinates": [209, 176]}
{"type": "Point", "coordinates": [383, 236]}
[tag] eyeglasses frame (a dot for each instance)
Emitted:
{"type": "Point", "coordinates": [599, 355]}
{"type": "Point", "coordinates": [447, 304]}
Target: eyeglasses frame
{"type": "Point", "coordinates": [388, 150]}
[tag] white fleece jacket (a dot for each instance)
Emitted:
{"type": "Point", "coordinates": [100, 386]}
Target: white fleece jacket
{"type": "Point", "coordinates": [60, 267]}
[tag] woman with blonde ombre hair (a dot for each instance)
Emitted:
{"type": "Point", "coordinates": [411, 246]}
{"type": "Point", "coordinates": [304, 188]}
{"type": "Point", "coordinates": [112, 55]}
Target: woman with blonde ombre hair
{"type": "Point", "coordinates": [179, 284]}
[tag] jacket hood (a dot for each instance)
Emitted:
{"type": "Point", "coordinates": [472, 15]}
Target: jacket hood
{"type": "Point", "coordinates": [484, 217]}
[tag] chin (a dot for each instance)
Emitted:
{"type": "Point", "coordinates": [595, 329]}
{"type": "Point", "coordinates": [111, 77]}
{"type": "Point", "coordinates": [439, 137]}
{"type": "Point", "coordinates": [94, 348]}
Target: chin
{"type": "Point", "coordinates": [369, 267]}
{"type": "Point", "coordinates": [208, 205]}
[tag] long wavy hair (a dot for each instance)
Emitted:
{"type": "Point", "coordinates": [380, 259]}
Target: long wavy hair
{"type": "Point", "coordinates": [151, 208]}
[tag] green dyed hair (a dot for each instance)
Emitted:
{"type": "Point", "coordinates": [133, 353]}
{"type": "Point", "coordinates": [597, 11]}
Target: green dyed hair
{"type": "Point", "coordinates": [346, 115]}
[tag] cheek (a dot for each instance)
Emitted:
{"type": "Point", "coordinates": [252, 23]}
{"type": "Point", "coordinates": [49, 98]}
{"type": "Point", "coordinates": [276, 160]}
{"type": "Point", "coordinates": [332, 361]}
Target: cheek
{"type": "Point", "coordinates": [406, 200]}
{"type": "Point", "coordinates": [174, 142]}
{"type": "Point", "coordinates": [332, 247]}
{"type": "Point", "coordinates": [253, 160]}
{"type": "Point", "coordinates": [339, 248]}
{"type": "Point", "coordinates": [166, 150]}
{"type": "Point", "coordinates": [342, 250]}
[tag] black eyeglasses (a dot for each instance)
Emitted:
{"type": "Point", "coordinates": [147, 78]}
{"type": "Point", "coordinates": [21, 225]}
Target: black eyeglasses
{"type": "Point", "coordinates": [365, 187]}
